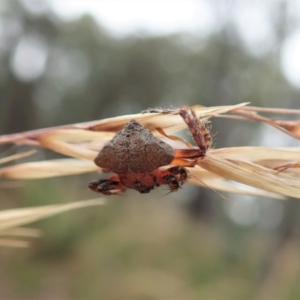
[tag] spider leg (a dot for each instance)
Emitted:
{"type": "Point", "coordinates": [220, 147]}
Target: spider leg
{"type": "Point", "coordinates": [171, 181]}
{"type": "Point", "coordinates": [187, 153]}
{"type": "Point", "coordinates": [184, 163]}
{"type": "Point", "coordinates": [173, 137]}
{"type": "Point", "coordinates": [179, 172]}
{"type": "Point", "coordinates": [139, 186]}
{"type": "Point", "coordinates": [205, 132]}
{"type": "Point", "coordinates": [107, 186]}
{"type": "Point", "coordinates": [200, 133]}
{"type": "Point", "coordinates": [174, 177]}
{"type": "Point", "coordinates": [187, 157]}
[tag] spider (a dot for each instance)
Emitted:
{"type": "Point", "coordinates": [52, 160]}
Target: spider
{"type": "Point", "coordinates": [136, 156]}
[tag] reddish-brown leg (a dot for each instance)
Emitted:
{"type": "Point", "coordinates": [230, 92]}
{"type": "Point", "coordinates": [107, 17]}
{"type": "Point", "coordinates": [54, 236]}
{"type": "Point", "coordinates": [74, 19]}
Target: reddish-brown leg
{"type": "Point", "coordinates": [184, 163]}
{"type": "Point", "coordinates": [200, 133]}
{"type": "Point", "coordinates": [108, 186]}
{"type": "Point", "coordinates": [191, 156]}
{"type": "Point", "coordinates": [187, 153]}
{"type": "Point", "coordinates": [174, 177]}
{"type": "Point", "coordinates": [173, 137]}
{"type": "Point", "coordinates": [181, 155]}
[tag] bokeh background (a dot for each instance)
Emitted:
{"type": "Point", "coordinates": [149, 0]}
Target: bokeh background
{"type": "Point", "coordinates": [70, 61]}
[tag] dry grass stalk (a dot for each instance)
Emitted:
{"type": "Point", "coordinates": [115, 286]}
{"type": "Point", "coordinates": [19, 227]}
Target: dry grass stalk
{"type": "Point", "coordinates": [251, 113]}
{"type": "Point", "coordinates": [10, 220]}
{"type": "Point", "coordinates": [273, 172]}
{"type": "Point", "coordinates": [253, 166]}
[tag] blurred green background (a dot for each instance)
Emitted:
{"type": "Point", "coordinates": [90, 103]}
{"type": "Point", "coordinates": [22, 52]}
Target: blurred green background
{"type": "Point", "coordinates": [186, 245]}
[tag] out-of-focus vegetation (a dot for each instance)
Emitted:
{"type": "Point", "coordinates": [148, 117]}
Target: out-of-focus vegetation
{"type": "Point", "coordinates": [188, 245]}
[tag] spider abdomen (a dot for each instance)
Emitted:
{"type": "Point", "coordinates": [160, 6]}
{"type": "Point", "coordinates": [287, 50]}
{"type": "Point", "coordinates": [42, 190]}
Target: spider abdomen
{"type": "Point", "coordinates": [134, 149]}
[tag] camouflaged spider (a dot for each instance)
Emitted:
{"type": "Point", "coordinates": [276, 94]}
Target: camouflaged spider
{"type": "Point", "coordinates": [136, 156]}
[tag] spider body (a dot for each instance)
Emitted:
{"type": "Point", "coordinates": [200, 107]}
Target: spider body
{"type": "Point", "coordinates": [136, 156]}
{"type": "Point", "coordinates": [134, 149]}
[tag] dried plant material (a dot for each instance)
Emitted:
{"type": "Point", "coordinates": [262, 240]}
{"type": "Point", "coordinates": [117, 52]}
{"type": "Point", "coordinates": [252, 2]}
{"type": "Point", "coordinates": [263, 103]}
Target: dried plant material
{"type": "Point", "coordinates": [49, 168]}
{"type": "Point", "coordinates": [207, 179]}
{"type": "Point", "coordinates": [272, 172]}
{"type": "Point", "coordinates": [173, 122]}
{"type": "Point", "coordinates": [16, 156]}
{"type": "Point", "coordinates": [285, 111]}
{"type": "Point", "coordinates": [14, 243]}
{"type": "Point", "coordinates": [253, 166]}
{"type": "Point", "coordinates": [63, 167]}
{"type": "Point", "coordinates": [106, 128]}
{"type": "Point", "coordinates": [290, 127]}
{"type": "Point", "coordinates": [48, 141]}
{"type": "Point", "coordinates": [22, 231]}
{"type": "Point", "coordinates": [18, 232]}
{"type": "Point", "coordinates": [18, 217]}
{"type": "Point", "coordinates": [250, 113]}
{"type": "Point", "coordinates": [10, 220]}
{"type": "Point", "coordinates": [253, 175]}
{"type": "Point", "coordinates": [273, 159]}
{"type": "Point", "coordinates": [287, 166]}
